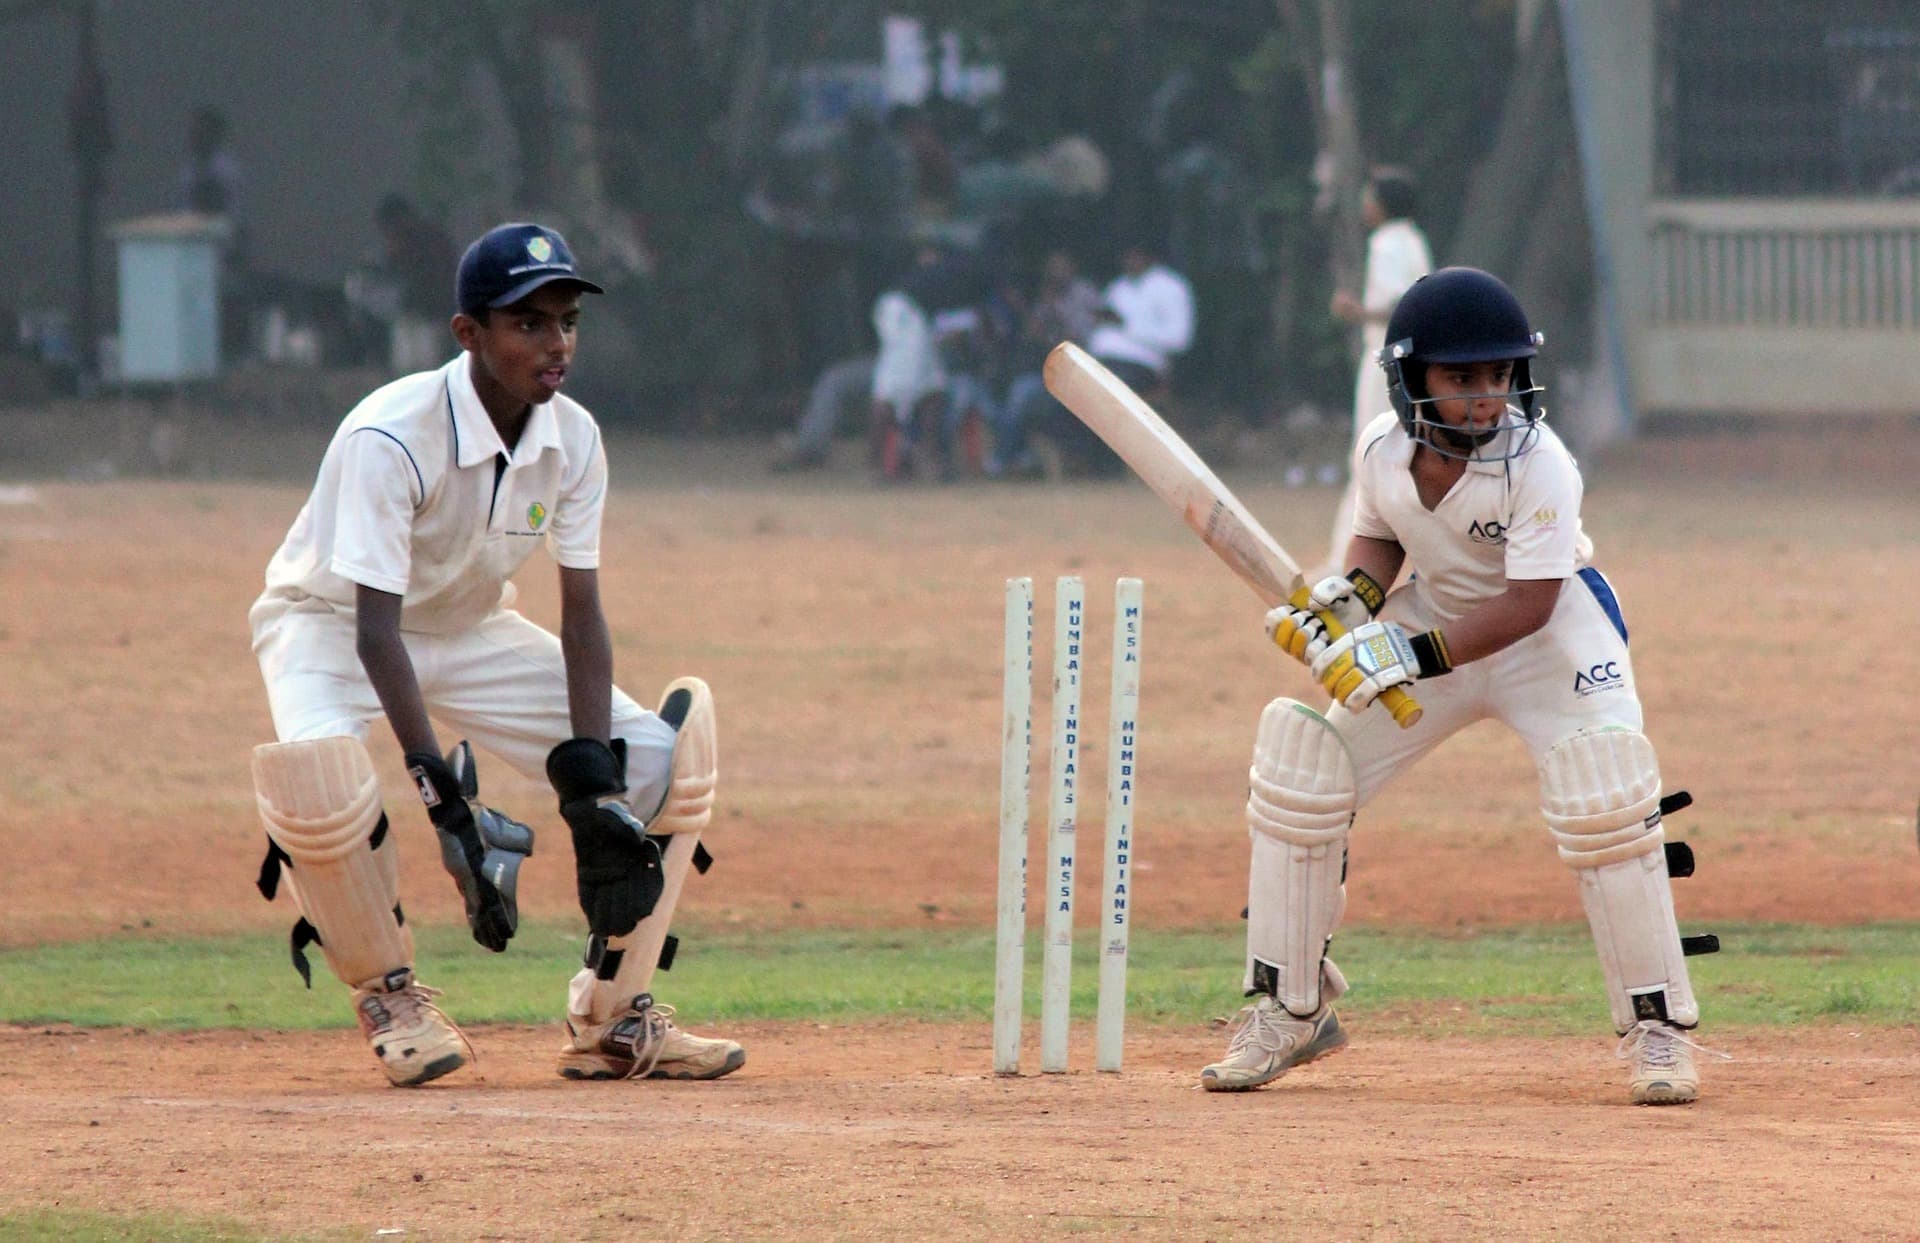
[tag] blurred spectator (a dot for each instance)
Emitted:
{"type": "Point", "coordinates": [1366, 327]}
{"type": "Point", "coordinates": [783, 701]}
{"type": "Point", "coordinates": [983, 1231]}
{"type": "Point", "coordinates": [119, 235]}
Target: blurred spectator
{"type": "Point", "coordinates": [912, 434]}
{"type": "Point", "coordinates": [1063, 308]}
{"type": "Point", "coordinates": [419, 256]}
{"type": "Point", "coordinates": [1145, 321]}
{"type": "Point", "coordinates": [844, 386]}
{"type": "Point", "coordinates": [210, 178]}
{"type": "Point", "coordinates": [1397, 256]}
{"type": "Point", "coordinates": [936, 172]}
{"type": "Point", "coordinates": [211, 183]}
{"type": "Point", "coordinates": [400, 302]}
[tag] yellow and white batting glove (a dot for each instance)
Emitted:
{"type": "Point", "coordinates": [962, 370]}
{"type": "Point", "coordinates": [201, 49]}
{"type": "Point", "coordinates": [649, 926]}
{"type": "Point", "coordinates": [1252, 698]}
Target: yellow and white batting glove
{"type": "Point", "coordinates": [1299, 627]}
{"type": "Point", "coordinates": [1370, 659]}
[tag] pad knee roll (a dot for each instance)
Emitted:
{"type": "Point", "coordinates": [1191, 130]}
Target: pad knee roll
{"type": "Point", "coordinates": [1300, 806]}
{"type": "Point", "coordinates": [319, 801]}
{"type": "Point", "coordinates": [619, 968]}
{"type": "Point", "coordinates": [1600, 792]}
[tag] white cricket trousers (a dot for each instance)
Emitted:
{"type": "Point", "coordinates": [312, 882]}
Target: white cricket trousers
{"type": "Point", "coordinates": [1571, 674]}
{"type": "Point", "coordinates": [501, 685]}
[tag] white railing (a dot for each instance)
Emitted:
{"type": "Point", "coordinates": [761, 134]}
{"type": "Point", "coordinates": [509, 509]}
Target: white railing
{"type": "Point", "coordinates": [1824, 264]}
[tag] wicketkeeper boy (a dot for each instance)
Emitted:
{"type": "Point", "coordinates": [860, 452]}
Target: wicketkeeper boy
{"type": "Point", "coordinates": [391, 595]}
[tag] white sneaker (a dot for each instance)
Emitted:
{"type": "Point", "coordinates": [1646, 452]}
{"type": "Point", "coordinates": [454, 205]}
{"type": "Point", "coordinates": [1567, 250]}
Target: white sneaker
{"type": "Point", "coordinates": [1268, 1042]}
{"type": "Point", "coordinates": [644, 1043]}
{"type": "Point", "coordinates": [1662, 1058]}
{"type": "Point", "coordinates": [414, 1041]}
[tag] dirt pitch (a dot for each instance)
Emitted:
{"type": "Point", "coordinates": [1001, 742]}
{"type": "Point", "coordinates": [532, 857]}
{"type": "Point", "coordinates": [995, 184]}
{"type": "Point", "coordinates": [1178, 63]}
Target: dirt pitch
{"type": "Point", "coordinates": [852, 638]}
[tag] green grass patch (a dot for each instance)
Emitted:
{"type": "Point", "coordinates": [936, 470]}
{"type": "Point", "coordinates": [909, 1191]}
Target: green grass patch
{"type": "Point", "coordinates": [75, 1226]}
{"type": "Point", "coordinates": [1545, 979]}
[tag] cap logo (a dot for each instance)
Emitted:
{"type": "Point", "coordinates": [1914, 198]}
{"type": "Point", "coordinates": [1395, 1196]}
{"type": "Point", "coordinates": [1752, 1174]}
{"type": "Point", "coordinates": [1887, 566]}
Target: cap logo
{"type": "Point", "coordinates": [540, 248]}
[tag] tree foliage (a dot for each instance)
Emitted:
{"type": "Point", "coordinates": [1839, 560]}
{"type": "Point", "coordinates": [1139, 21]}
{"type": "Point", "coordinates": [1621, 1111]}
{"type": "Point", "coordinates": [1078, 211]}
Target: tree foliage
{"type": "Point", "coordinates": [686, 111]}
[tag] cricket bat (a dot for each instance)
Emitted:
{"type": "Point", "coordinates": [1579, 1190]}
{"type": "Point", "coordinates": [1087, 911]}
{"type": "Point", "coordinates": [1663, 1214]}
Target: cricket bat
{"type": "Point", "coordinates": [1178, 476]}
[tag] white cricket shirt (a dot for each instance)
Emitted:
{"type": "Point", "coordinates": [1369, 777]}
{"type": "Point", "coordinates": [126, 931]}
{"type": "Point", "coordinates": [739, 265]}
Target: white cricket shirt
{"type": "Point", "coordinates": [1397, 256]}
{"type": "Point", "coordinates": [1516, 519]}
{"type": "Point", "coordinates": [418, 496]}
{"type": "Point", "coordinates": [1156, 319]}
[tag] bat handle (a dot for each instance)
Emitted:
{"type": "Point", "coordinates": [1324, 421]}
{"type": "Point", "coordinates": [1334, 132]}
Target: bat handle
{"type": "Point", "coordinates": [1406, 710]}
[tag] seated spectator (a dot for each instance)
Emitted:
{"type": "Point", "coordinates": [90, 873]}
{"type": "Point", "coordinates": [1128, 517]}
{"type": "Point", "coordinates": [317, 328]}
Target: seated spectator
{"type": "Point", "coordinates": [1064, 308]}
{"type": "Point", "coordinates": [843, 386]}
{"type": "Point", "coordinates": [912, 430]}
{"type": "Point", "coordinates": [1146, 320]}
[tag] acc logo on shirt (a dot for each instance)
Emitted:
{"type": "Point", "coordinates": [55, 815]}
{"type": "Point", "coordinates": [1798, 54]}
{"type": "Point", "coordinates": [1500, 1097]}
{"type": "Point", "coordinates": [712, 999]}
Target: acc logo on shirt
{"type": "Point", "coordinates": [1492, 531]}
{"type": "Point", "coordinates": [1601, 677]}
{"type": "Point", "coordinates": [536, 514]}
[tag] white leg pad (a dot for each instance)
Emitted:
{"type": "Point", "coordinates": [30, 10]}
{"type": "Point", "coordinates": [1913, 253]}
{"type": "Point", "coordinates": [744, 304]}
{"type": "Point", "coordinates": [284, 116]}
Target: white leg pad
{"type": "Point", "coordinates": [1300, 807]}
{"type": "Point", "coordinates": [320, 803]}
{"type": "Point", "coordinates": [1600, 790]}
{"type": "Point", "coordinates": [684, 813]}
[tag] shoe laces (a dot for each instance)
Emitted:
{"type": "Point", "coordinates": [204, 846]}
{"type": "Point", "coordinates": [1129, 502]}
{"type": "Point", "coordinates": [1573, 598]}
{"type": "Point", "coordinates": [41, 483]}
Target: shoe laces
{"type": "Point", "coordinates": [656, 1021]}
{"type": "Point", "coordinates": [1654, 1042]}
{"type": "Point", "coordinates": [407, 1004]}
{"type": "Point", "coordinates": [1259, 1028]}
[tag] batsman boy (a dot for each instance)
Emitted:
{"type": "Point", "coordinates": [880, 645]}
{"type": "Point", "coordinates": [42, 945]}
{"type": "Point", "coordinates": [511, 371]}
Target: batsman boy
{"type": "Point", "coordinates": [1502, 617]}
{"type": "Point", "coordinates": [390, 595]}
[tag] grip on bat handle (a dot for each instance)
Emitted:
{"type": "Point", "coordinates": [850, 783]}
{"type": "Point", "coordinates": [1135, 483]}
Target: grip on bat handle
{"type": "Point", "coordinates": [1405, 709]}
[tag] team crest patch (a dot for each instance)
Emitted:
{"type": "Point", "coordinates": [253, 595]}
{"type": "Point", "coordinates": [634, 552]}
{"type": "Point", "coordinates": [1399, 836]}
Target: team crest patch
{"type": "Point", "coordinates": [540, 248]}
{"type": "Point", "coordinates": [536, 514]}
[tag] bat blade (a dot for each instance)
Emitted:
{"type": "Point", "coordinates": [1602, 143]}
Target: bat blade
{"type": "Point", "coordinates": [1168, 465]}
{"type": "Point", "coordinates": [1178, 476]}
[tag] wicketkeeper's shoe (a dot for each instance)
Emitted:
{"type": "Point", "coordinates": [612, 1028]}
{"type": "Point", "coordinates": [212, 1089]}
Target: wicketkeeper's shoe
{"type": "Point", "coordinates": [1662, 1060]}
{"type": "Point", "coordinates": [414, 1041]}
{"type": "Point", "coordinates": [644, 1043]}
{"type": "Point", "coordinates": [1268, 1042]}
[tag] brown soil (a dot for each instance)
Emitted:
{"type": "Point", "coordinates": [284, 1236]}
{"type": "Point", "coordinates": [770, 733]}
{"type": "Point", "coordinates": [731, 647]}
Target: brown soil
{"type": "Point", "coordinates": [852, 638]}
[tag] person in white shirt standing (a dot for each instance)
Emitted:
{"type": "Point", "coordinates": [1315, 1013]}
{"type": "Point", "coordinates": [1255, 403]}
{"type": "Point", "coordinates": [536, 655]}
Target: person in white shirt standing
{"type": "Point", "coordinates": [391, 595]}
{"type": "Point", "coordinates": [1145, 321]}
{"type": "Point", "coordinates": [1502, 617]}
{"type": "Point", "coordinates": [1397, 256]}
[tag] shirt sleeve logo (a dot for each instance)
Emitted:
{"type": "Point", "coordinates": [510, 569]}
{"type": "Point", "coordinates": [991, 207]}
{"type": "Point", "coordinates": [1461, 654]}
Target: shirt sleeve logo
{"type": "Point", "coordinates": [536, 514]}
{"type": "Point", "coordinates": [1546, 517]}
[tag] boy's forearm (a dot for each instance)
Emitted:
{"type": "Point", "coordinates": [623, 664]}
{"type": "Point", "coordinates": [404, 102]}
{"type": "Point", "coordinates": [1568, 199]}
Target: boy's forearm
{"type": "Point", "coordinates": [588, 650]}
{"type": "Point", "coordinates": [390, 670]}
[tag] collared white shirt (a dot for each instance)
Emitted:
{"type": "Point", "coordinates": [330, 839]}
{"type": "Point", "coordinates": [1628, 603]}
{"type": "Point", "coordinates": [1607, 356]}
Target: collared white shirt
{"type": "Point", "coordinates": [418, 496]}
{"type": "Point", "coordinates": [1516, 519]}
{"type": "Point", "coordinates": [1156, 319]}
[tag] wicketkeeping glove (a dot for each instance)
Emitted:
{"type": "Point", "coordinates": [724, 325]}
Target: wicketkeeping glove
{"type": "Point", "coordinates": [1370, 659]}
{"type": "Point", "coordinates": [617, 866]}
{"type": "Point", "coordinates": [480, 847]}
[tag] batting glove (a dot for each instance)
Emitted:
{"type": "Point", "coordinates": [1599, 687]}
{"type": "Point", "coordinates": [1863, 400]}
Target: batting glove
{"type": "Point", "coordinates": [1359, 665]}
{"type": "Point", "coordinates": [1299, 627]}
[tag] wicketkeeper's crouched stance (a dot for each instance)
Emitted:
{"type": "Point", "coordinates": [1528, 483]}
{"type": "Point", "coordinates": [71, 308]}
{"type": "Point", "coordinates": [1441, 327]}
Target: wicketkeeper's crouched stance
{"type": "Point", "coordinates": [390, 596]}
{"type": "Point", "coordinates": [1465, 484]}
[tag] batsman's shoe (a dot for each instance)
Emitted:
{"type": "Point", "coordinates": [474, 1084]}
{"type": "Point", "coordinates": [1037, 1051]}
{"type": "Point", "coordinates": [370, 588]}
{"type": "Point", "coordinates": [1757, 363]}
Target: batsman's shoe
{"type": "Point", "coordinates": [414, 1041]}
{"type": "Point", "coordinates": [1268, 1042]}
{"type": "Point", "coordinates": [644, 1043]}
{"type": "Point", "coordinates": [1662, 1059]}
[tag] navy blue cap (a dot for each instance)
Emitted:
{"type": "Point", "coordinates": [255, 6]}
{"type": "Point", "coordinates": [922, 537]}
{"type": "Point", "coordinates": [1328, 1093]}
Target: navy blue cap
{"type": "Point", "coordinates": [510, 261]}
